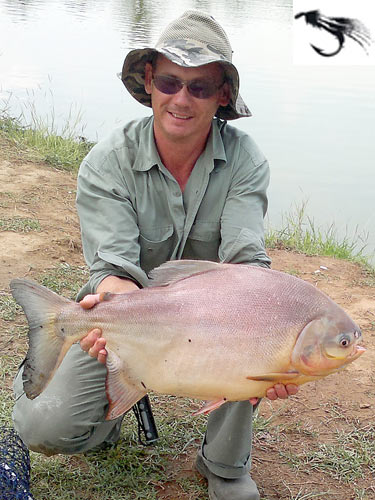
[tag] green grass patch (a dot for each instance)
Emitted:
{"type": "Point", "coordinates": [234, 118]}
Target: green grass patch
{"type": "Point", "coordinates": [19, 224]}
{"type": "Point", "coordinates": [9, 363]}
{"type": "Point", "coordinates": [348, 459]}
{"type": "Point", "coordinates": [6, 199]}
{"type": "Point", "coordinates": [8, 307]}
{"type": "Point", "coordinates": [128, 470]}
{"type": "Point", "coordinates": [300, 233]}
{"type": "Point", "coordinates": [6, 405]}
{"type": "Point", "coordinates": [65, 279]}
{"type": "Point", "coordinates": [311, 495]}
{"type": "Point", "coordinates": [39, 141]}
{"type": "Point", "coordinates": [367, 278]}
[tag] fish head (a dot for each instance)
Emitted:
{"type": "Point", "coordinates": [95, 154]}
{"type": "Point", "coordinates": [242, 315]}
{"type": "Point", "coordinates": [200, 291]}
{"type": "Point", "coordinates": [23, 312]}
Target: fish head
{"type": "Point", "coordinates": [327, 344]}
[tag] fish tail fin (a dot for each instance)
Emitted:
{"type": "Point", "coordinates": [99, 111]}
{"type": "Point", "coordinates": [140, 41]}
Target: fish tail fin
{"type": "Point", "coordinates": [48, 343]}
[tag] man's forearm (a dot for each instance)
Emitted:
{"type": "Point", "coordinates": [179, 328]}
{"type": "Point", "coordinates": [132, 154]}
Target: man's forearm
{"type": "Point", "coordinates": [115, 284]}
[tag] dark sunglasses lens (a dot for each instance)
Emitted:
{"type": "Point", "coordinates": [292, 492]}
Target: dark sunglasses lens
{"type": "Point", "coordinates": [167, 85]}
{"type": "Point", "coordinates": [201, 89]}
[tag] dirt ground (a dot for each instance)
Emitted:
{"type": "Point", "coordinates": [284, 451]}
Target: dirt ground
{"type": "Point", "coordinates": [339, 402]}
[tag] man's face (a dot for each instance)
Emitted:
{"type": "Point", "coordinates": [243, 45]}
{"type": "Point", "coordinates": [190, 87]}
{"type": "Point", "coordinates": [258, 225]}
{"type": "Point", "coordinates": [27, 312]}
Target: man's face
{"type": "Point", "coordinates": [180, 116]}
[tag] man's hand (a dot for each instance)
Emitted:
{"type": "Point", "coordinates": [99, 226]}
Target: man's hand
{"type": "Point", "coordinates": [278, 391]}
{"type": "Point", "coordinates": [93, 343]}
{"type": "Point", "coordinates": [282, 391]}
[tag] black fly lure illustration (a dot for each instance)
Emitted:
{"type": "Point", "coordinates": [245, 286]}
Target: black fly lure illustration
{"type": "Point", "coordinates": [338, 27]}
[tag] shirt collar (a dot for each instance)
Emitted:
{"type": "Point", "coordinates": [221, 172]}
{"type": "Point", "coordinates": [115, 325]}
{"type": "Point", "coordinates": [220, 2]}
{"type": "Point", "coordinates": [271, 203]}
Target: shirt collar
{"type": "Point", "coordinates": [148, 156]}
{"type": "Point", "coordinates": [218, 150]}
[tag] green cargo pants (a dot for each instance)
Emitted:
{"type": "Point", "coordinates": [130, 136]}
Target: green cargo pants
{"type": "Point", "coordinates": [68, 417]}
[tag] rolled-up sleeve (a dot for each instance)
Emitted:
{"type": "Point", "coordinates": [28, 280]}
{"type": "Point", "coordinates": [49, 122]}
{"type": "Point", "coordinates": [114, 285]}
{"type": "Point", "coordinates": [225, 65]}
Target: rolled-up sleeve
{"type": "Point", "coordinates": [242, 226]}
{"type": "Point", "coordinates": [109, 229]}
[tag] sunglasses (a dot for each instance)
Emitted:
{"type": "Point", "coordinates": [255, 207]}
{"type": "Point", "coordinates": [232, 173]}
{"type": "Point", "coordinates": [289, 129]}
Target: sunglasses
{"type": "Point", "coordinates": [201, 89]}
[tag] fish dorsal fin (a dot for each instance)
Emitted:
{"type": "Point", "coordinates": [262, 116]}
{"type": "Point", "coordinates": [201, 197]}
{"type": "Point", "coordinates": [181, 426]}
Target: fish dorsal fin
{"type": "Point", "coordinates": [176, 270]}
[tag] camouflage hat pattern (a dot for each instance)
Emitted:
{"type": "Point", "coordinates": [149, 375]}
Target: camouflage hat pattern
{"type": "Point", "coordinates": [192, 40]}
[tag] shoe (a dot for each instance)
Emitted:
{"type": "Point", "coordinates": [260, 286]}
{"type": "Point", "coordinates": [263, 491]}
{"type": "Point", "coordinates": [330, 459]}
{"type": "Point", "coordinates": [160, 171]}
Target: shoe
{"type": "Point", "coordinates": [220, 488]}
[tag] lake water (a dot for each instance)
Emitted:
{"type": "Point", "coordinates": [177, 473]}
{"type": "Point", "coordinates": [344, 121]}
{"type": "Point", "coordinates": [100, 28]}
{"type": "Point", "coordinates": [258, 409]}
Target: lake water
{"type": "Point", "coordinates": [314, 122]}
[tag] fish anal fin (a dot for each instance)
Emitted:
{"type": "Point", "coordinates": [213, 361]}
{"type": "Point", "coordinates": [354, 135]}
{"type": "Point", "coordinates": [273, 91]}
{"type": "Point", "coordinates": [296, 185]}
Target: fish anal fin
{"type": "Point", "coordinates": [209, 406]}
{"type": "Point", "coordinates": [122, 392]}
{"type": "Point", "coordinates": [274, 377]}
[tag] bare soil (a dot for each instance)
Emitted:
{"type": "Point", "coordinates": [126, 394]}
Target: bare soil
{"type": "Point", "coordinates": [342, 401]}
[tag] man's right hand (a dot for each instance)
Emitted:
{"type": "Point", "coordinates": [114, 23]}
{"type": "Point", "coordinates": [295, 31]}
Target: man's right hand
{"type": "Point", "coordinates": [93, 343]}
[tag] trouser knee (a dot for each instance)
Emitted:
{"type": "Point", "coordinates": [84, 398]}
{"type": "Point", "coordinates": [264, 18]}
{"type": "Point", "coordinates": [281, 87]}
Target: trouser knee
{"type": "Point", "coordinates": [226, 447]}
{"type": "Point", "coordinates": [68, 417]}
{"type": "Point", "coordinates": [57, 431]}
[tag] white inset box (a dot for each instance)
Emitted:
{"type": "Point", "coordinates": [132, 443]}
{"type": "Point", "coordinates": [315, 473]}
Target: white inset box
{"type": "Point", "coordinates": [334, 32]}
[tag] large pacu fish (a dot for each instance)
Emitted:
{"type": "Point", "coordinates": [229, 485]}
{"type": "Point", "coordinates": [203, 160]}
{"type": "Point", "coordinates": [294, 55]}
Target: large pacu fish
{"type": "Point", "coordinates": [216, 332]}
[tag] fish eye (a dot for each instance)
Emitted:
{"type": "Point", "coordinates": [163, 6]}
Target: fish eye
{"type": "Point", "coordinates": [345, 341]}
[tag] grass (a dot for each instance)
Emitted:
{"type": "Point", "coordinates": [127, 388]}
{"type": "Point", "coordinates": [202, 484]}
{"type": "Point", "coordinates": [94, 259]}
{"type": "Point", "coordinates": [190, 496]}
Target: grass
{"type": "Point", "coordinates": [39, 140]}
{"type": "Point", "coordinates": [65, 279]}
{"type": "Point", "coordinates": [19, 224]}
{"type": "Point", "coordinates": [311, 495]}
{"type": "Point", "coordinates": [128, 470]}
{"type": "Point", "coordinates": [347, 459]}
{"type": "Point", "coordinates": [300, 233]}
{"type": "Point", "coordinates": [367, 278]}
{"type": "Point", "coordinates": [6, 199]}
{"type": "Point", "coordinates": [8, 307]}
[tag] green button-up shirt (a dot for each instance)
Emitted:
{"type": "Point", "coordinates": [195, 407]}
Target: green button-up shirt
{"type": "Point", "coordinates": [134, 216]}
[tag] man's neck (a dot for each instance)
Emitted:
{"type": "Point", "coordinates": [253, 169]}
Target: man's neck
{"type": "Point", "coordinates": [180, 157]}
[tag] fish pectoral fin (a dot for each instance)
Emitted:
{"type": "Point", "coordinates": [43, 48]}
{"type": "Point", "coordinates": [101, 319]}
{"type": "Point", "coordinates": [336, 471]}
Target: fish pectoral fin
{"type": "Point", "coordinates": [274, 377]}
{"type": "Point", "coordinates": [209, 406]}
{"type": "Point", "coordinates": [122, 392]}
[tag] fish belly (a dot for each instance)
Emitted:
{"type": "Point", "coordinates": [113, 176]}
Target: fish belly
{"type": "Point", "coordinates": [192, 362]}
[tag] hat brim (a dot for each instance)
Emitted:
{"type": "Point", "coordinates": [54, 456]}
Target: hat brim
{"type": "Point", "coordinates": [133, 77]}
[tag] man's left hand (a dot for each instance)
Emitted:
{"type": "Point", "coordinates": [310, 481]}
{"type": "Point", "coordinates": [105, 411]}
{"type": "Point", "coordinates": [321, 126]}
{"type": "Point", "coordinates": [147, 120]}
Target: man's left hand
{"type": "Point", "coordinates": [278, 391]}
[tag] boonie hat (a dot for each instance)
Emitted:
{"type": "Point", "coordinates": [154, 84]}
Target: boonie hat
{"type": "Point", "coordinates": [192, 40]}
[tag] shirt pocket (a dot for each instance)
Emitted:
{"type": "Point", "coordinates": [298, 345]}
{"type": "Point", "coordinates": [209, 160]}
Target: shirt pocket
{"type": "Point", "coordinates": [203, 241]}
{"type": "Point", "coordinates": [156, 246]}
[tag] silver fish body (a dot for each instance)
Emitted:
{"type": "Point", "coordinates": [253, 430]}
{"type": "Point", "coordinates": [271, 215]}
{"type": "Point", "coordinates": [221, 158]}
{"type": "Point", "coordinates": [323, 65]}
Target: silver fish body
{"type": "Point", "coordinates": [221, 332]}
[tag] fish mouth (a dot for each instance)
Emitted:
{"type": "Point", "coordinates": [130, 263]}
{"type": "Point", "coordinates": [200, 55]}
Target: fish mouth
{"type": "Point", "coordinates": [359, 350]}
{"type": "Point", "coordinates": [356, 352]}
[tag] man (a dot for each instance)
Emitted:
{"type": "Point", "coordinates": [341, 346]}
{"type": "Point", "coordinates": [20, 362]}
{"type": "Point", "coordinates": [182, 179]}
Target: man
{"type": "Point", "coordinates": [179, 184]}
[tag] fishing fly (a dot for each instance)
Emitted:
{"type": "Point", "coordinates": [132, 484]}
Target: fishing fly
{"type": "Point", "coordinates": [339, 27]}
